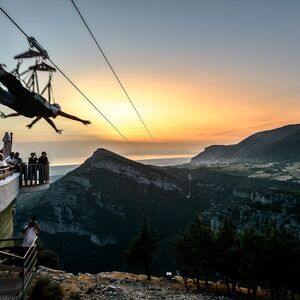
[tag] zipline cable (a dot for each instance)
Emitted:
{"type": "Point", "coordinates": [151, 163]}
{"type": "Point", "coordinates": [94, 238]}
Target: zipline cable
{"type": "Point", "coordinates": [95, 107]}
{"type": "Point", "coordinates": [113, 71]}
{"type": "Point", "coordinates": [77, 88]}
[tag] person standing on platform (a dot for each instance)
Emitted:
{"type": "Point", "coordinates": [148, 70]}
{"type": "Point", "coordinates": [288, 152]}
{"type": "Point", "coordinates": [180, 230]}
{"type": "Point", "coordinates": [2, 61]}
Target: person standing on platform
{"type": "Point", "coordinates": [32, 159]}
{"type": "Point", "coordinates": [42, 162]}
{"type": "Point", "coordinates": [32, 166]}
{"type": "Point", "coordinates": [18, 161]}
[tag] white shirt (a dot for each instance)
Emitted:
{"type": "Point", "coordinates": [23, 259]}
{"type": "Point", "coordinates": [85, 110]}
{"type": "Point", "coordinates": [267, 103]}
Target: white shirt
{"type": "Point", "coordinates": [29, 236]}
{"type": "Point", "coordinates": [3, 163]}
{"type": "Point", "coordinates": [9, 160]}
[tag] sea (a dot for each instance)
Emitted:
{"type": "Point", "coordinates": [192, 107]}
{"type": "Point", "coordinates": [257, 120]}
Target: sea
{"type": "Point", "coordinates": [56, 172]}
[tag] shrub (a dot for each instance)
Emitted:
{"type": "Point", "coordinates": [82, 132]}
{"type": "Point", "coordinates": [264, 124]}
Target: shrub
{"type": "Point", "coordinates": [44, 289]}
{"type": "Point", "coordinates": [47, 258]}
{"type": "Point", "coordinates": [75, 296]}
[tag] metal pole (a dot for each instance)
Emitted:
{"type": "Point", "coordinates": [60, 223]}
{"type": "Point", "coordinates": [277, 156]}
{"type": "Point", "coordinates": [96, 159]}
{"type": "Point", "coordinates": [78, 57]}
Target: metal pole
{"type": "Point", "coordinates": [11, 138]}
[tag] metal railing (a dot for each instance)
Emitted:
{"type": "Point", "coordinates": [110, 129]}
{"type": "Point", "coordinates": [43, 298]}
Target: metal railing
{"type": "Point", "coordinates": [34, 174]}
{"type": "Point", "coordinates": [17, 263]}
{"type": "Point", "coordinates": [5, 172]}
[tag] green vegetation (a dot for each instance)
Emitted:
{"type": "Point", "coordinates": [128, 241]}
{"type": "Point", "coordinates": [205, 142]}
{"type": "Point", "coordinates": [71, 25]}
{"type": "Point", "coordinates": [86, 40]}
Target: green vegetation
{"type": "Point", "coordinates": [193, 251]}
{"type": "Point", "coordinates": [140, 250]}
{"type": "Point", "coordinates": [47, 258]}
{"type": "Point", "coordinates": [227, 255]}
{"type": "Point", "coordinates": [265, 257]}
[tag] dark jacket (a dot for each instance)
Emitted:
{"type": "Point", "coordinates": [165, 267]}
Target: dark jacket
{"type": "Point", "coordinates": [43, 160]}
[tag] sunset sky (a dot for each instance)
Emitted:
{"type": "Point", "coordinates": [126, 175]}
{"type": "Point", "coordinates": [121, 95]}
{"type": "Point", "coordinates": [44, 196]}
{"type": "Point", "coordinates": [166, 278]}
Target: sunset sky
{"type": "Point", "coordinates": [199, 72]}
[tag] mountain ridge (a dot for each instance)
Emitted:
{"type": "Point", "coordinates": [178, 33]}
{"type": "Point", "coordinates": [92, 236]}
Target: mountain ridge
{"type": "Point", "coordinates": [89, 216]}
{"type": "Point", "coordinates": [279, 144]}
{"type": "Point", "coordinates": [97, 207]}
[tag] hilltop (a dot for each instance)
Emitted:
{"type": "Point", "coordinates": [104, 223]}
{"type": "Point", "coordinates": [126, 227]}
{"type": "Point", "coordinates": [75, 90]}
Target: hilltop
{"type": "Point", "coordinates": [280, 144]}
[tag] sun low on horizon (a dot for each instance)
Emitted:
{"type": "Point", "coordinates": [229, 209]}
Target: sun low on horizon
{"type": "Point", "coordinates": [198, 72]}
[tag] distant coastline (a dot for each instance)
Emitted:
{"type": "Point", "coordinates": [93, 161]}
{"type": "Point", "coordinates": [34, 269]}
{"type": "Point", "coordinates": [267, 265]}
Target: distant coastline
{"type": "Point", "coordinates": [56, 172]}
{"type": "Point", "coordinates": [162, 162]}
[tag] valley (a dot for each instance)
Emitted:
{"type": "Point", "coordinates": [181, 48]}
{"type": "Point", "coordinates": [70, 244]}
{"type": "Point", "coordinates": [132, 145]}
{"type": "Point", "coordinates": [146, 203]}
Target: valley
{"type": "Point", "coordinates": [89, 215]}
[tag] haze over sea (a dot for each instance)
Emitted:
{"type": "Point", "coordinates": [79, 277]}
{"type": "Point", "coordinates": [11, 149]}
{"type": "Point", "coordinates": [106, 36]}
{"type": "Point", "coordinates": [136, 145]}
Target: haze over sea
{"type": "Point", "coordinates": [76, 152]}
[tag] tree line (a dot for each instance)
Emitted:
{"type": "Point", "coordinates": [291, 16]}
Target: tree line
{"type": "Point", "coordinates": [264, 257]}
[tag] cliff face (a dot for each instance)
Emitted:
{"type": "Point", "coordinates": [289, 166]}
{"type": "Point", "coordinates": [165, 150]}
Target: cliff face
{"type": "Point", "coordinates": [281, 144]}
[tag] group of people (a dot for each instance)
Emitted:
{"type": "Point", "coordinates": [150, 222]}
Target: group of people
{"type": "Point", "coordinates": [14, 161]}
{"type": "Point", "coordinates": [43, 159]}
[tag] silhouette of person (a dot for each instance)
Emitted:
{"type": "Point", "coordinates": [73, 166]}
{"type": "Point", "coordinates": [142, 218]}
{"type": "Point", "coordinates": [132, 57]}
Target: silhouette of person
{"type": "Point", "coordinates": [32, 166]}
{"type": "Point", "coordinates": [29, 104]}
{"type": "Point", "coordinates": [42, 162]}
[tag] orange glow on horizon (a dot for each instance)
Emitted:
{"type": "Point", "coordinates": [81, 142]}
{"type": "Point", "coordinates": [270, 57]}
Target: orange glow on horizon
{"type": "Point", "coordinates": [175, 110]}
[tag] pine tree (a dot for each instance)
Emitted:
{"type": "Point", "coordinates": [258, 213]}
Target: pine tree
{"type": "Point", "coordinates": [194, 251]}
{"type": "Point", "coordinates": [183, 257]}
{"type": "Point", "coordinates": [227, 254]}
{"type": "Point", "coordinates": [141, 249]}
{"type": "Point", "coordinates": [281, 265]}
{"type": "Point", "coordinates": [254, 254]}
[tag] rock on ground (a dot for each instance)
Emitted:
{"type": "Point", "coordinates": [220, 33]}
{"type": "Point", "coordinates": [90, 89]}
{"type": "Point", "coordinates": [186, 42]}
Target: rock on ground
{"type": "Point", "coordinates": [118, 286]}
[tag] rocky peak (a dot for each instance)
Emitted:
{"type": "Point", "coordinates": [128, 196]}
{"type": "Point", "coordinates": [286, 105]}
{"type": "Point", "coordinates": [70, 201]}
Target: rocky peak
{"type": "Point", "coordinates": [102, 153]}
{"type": "Point", "coordinates": [106, 160]}
{"type": "Point", "coordinates": [103, 159]}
